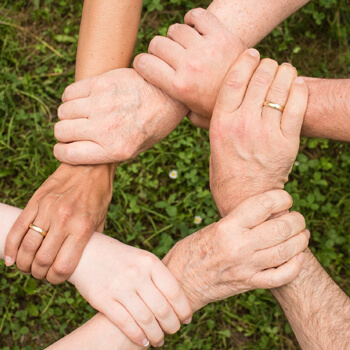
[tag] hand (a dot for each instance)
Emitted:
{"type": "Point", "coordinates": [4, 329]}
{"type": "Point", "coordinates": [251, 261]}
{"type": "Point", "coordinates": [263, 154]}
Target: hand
{"type": "Point", "coordinates": [191, 63]}
{"type": "Point", "coordinates": [253, 147]}
{"type": "Point", "coordinates": [70, 205]}
{"type": "Point", "coordinates": [133, 288]}
{"type": "Point", "coordinates": [241, 251]}
{"type": "Point", "coordinates": [113, 117]}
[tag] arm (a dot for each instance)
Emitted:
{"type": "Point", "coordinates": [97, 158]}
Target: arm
{"type": "Point", "coordinates": [78, 197]}
{"type": "Point", "coordinates": [107, 36]}
{"type": "Point", "coordinates": [328, 112]}
{"type": "Point", "coordinates": [252, 20]}
{"type": "Point", "coordinates": [250, 250]}
{"type": "Point", "coordinates": [194, 76]}
{"type": "Point", "coordinates": [316, 308]}
{"type": "Point", "coordinates": [163, 114]}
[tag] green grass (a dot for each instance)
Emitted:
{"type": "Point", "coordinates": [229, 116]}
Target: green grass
{"type": "Point", "coordinates": [38, 42]}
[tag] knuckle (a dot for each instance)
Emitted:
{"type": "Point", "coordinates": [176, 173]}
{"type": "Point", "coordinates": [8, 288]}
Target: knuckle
{"type": "Point", "coordinates": [133, 272]}
{"type": "Point", "coordinates": [20, 226]}
{"type": "Point", "coordinates": [278, 90]}
{"type": "Point", "coordinates": [262, 79]}
{"type": "Point", "coordinates": [44, 259]}
{"type": "Point", "coordinates": [29, 244]}
{"type": "Point", "coordinates": [62, 268]}
{"type": "Point", "coordinates": [85, 227]}
{"type": "Point", "coordinates": [194, 65]}
{"type": "Point", "coordinates": [180, 86]}
{"type": "Point", "coordinates": [264, 200]}
{"type": "Point", "coordinates": [282, 228]}
{"type": "Point", "coordinates": [65, 212]}
{"type": "Point", "coordinates": [282, 252]}
{"type": "Point", "coordinates": [175, 294]}
{"type": "Point", "coordinates": [233, 80]}
{"type": "Point", "coordinates": [163, 311]}
{"type": "Point", "coordinates": [146, 318]}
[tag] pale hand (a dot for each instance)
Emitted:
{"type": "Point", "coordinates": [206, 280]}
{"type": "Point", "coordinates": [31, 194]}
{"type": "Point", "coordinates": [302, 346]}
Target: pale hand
{"type": "Point", "coordinates": [113, 117]}
{"type": "Point", "coordinates": [133, 288]}
{"type": "Point", "coordinates": [253, 147]}
{"type": "Point", "coordinates": [191, 63]}
{"type": "Point", "coordinates": [241, 252]}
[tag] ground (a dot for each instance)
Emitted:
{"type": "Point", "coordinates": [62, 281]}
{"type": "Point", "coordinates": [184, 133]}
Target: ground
{"type": "Point", "coordinates": [149, 209]}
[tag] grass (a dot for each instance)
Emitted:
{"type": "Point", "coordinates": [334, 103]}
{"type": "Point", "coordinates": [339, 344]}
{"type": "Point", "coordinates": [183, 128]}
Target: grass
{"type": "Point", "coordinates": [38, 43]}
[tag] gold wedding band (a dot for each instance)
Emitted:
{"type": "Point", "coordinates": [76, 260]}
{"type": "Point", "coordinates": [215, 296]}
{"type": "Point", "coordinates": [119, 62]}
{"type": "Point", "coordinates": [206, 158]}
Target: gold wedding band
{"type": "Point", "coordinates": [38, 230]}
{"type": "Point", "coordinates": [274, 106]}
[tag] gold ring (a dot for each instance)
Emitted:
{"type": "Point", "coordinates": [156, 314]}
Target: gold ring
{"type": "Point", "coordinates": [38, 230]}
{"type": "Point", "coordinates": [274, 106]}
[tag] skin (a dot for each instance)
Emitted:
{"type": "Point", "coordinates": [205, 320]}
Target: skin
{"type": "Point", "coordinates": [239, 267]}
{"type": "Point", "coordinates": [317, 309]}
{"type": "Point", "coordinates": [152, 128]}
{"type": "Point", "coordinates": [76, 212]}
{"type": "Point", "coordinates": [193, 74]}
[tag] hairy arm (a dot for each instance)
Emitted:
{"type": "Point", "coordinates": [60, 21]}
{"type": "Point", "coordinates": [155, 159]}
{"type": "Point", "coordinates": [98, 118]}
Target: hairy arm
{"type": "Point", "coordinates": [328, 112]}
{"type": "Point", "coordinates": [252, 20]}
{"type": "Point", "coordinates": [316, 308]}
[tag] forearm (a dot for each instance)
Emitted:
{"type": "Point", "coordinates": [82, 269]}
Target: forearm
{"type": "Point", "coordinates": [316, 308]}
{"type": "Point", "coordinates": [252, 20]}
{"type": "Point", "coordinates": [98, 333]}
{"type": "Point", "coordinates": [328, 112]}
{"type": "Point", "coordinates": [107, 36]}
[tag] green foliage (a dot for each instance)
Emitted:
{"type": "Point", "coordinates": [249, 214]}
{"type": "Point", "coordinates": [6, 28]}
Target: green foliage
{"type": "Point", "coordinates": [149, 209]}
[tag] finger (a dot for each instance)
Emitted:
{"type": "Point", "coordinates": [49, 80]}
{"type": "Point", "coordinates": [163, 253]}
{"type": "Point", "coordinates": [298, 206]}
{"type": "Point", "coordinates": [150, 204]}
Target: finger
{"type": "Point", "coordinates": [79, 89]}
{"type": "Point", "coordinates": [274, 278]}
{"type": "Point", "coordinates": [160, 308]}
{"type": "Point", "coordinates": [184, 35]}
{"type": "Point", "coordinates": [273, 232]}
{"type": "Point", "coordinates": [118, 315]}
{"type": "Point", "coordinates": [278, 93]}
{"type": "Point", "coordinates": [75, 109]}
{"type": "Point", "coordinates": [260, 84]}
{"type": "Point", "coordinates": [172, 291]}
{"type": "Point", "coordinates": [18, 231]}
{"type": "Point", "coordinates": [143, 317]}
{"type": "Point", "coordinates": [82, 152]}
{"type": "Point", "coordinates": [31, 243]}
{"type": "Point", "coordinates": [74, 130]}
{"type": "Point", "coordinates": [283, 252]}
{"type": "Point", "coordinates": [68, 257]}
{"type": "Point", "coordinates": [257, 209]}
{"type": "Point", "coordinates": [204, 22]}
{"type": "Point", "coordinates": [235, 84]}
{"type": "Point", "coordinates": [167, 50]}
{"type": "Point", "coordinates": [293, 115]}
{"type": "Point", "coordinates": [47, 253]}
{"type": "Point", "coordinates": [155, 71]}
{"type": "Point", "coordinates": [199, 121]}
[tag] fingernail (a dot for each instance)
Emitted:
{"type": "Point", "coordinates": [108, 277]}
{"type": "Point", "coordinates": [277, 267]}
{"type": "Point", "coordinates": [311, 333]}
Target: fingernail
{"type": "Point", "coordinates": [253, 52]}
{"type": "Point", "coordinates": [299, 81]}
{"type": "Point", "coordinates": [145, 342]}
{"type": "Point", "coordinates": [287, 64]}
{"type": "Point", "coordinates": [196, 12]}
{"type": "Point", "coordinates": [301, 258]}
{"type": "Point", "coordinates": [161, 343]}
{"type": "Point", "coordinates": [308, 233]}
{"type": "Point", "coordinates": [8, 261]}
{"type": "Point", "coordinates": [188, 320]}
